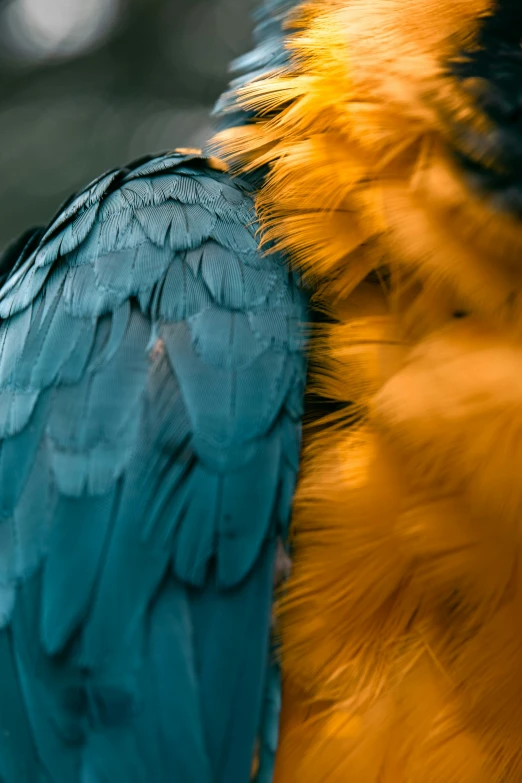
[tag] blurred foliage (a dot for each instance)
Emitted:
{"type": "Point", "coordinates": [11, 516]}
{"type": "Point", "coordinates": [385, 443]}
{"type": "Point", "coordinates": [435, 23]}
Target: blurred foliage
{"type": "Point", "coordinates": [86, 85]}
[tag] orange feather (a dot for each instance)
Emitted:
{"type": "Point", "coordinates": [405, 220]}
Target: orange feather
{"type": "Point", "coordinates": [401, 632]}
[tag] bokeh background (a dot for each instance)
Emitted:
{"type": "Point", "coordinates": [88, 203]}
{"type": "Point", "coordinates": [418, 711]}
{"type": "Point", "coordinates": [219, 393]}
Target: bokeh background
{"type": "Point", "coordinates": [87, 85]}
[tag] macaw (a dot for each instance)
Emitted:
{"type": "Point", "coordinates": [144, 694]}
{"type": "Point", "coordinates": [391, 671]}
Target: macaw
{"type": "Point", "coordinates": [384, 140]}
{"type": "Point", "coordinates": [152, 367]}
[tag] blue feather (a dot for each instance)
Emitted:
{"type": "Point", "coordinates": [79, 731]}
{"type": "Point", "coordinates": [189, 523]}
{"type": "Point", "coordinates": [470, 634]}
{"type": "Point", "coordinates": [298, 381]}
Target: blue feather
{"type": "Point", "coordinates": [152, 369]}
{"type": "Point", "coordinates": [181, 294]}
{"type": "Point", "coordinates": [230, 654]}
{"type": "Point", "coordinates": [22, 287]}
{"type": "Point", "coordinates": [80, 529]}
{"type": "Point", "coordinates": [18, 759]}
{"type": "Point", "coordinates": [83, 297]}
{"type": "Point", "coordinates": [47, 688]}
{"type": "Point", "coordinates": [269, 726]}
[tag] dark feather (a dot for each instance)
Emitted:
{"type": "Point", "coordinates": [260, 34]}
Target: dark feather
{"type": "Point", "coordinates": [492, 75]}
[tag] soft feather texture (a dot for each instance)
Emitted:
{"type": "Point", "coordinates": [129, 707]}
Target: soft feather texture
{"type": "Point", "coordinates": [390, 180]}
{"type": "Point", "coordinates": [151, 378]}
{"type": "Point", "coordinates": [269, 54]}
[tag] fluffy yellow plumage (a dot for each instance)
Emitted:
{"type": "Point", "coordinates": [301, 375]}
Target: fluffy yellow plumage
{"type": "Point", "coordinates": [402, 639]}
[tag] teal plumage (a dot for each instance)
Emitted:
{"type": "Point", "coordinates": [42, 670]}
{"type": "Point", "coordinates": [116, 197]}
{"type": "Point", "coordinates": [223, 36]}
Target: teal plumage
{"type": "Point", "coordinates": [152, 368]}
{"type": "Point", "coordinates": [268, 734]}
{"type": "Point", "coordinates": [268, 55]}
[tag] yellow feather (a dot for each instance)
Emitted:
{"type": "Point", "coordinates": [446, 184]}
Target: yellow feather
{"type": "Point", "coordinates": [401, 632]}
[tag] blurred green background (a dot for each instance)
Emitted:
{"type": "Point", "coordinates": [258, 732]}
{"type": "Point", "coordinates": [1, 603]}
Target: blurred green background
{"type": "Point", "coordinates": [86, 85]}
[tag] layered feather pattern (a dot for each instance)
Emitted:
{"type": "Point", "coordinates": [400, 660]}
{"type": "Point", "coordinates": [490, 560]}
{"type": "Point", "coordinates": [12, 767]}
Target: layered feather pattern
{"type": "Point", "coordinates": [151, 377]}
{"type": "Point", "coordinates": [391, 139]}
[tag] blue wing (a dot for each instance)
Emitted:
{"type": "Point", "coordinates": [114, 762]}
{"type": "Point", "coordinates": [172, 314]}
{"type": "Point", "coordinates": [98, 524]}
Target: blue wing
{"type": "Point", "coordinates": [151, 379]}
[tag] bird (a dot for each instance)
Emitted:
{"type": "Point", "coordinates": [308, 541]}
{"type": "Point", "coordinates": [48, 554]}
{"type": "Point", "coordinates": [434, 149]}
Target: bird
{"type": "Point", "coordinates": [384, 142]}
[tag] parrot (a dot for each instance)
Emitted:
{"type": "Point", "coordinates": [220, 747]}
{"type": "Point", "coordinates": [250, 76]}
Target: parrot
{"type": "Point", "coordinates": [383, 139]}
{"type": "Point", "coordinates": [156, 370]}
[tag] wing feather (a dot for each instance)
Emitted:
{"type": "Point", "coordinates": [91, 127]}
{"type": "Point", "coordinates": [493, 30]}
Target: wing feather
{"type": "Point", "coordinates": [149, 356]}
